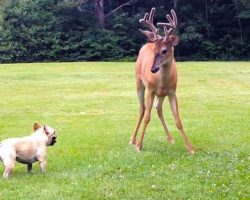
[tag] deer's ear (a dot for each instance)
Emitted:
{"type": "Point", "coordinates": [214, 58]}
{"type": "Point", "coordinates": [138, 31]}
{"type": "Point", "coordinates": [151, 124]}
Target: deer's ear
{"type": "Point", "coordinates": [36, 126]}
{"type": "Point", "coordinates": [174, 40]}
{"type": "Point", "coordinates": [148, 34]}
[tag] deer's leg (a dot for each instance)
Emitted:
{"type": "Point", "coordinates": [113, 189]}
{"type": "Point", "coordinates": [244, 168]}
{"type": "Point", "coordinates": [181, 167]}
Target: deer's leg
{"type": "Point", "coordinates": [174, 107]}
{"type": "Point", "coordinates": [147, 117]}
{"type": "Point", "coordinates": [140, 94]}
{"type": "Point", "coordinates": [160, 114]}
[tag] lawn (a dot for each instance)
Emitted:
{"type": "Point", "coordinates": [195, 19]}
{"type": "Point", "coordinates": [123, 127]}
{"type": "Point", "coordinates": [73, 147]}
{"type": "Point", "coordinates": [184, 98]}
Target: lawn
{"type": "Point", "coordinates": [94, 108]}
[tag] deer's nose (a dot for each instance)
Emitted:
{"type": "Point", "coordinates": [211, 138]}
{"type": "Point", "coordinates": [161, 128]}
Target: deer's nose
{"type": "Point", "coordinates": [155, 69]}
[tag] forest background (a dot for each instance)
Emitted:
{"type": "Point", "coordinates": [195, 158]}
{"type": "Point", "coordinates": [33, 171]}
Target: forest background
{"type": "Point", "coordinates": [107, 30]}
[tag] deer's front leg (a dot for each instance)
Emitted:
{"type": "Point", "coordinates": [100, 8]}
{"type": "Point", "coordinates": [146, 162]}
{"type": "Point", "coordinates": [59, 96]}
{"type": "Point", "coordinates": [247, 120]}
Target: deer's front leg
{"type": "Point", "coordinates": [147, 117]}
{"type": "Point", "coordinates": [174, 107]}
{"type": "Point", "coordinates": [140, 94]}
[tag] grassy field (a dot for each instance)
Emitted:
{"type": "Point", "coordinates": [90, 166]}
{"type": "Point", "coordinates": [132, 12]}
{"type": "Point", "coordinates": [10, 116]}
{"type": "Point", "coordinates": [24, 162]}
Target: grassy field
{"type": "Point", "coordinates": [93, 107]}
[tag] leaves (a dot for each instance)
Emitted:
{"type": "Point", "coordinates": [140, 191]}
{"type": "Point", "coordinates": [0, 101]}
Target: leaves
{"type": "Point", "coordinates": [45, 30]}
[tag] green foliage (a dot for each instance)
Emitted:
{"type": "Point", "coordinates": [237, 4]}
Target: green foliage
{"type": "Point", "coordinates": [45, 30]}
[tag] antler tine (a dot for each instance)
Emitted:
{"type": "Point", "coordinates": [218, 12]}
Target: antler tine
{"type": "Point", "coordinates": [167, 32]}
{"type": "Point", "coordinates": [171, 22]}
{"type": "Point", "coordinates": [174, 17]}
{"type": "Point", "coordinates": [148, 22]}
{"type": "Point", "coordinates": [170, 26]}
{"type": "Point", "coordinates": [144, 19]}
{"type": "Point", "coordinates": [151, 16]}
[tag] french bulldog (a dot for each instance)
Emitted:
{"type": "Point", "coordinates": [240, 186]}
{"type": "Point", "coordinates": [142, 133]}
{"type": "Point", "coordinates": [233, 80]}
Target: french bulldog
{"type": "Point", "coordinates": [27, 150]}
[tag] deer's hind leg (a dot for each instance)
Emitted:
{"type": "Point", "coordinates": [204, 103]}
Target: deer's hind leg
{"type": "Point", "coordinates": [160, 115]}
{"type": "Point", "coordinates": [174, 107]}
{"type": "Point", "coordinates": [140, 95]}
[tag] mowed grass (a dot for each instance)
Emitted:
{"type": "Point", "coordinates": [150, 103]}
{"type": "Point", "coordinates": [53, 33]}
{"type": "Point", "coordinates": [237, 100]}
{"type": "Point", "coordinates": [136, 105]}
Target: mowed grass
{"type": "Point", "coordinates": [94, 108]}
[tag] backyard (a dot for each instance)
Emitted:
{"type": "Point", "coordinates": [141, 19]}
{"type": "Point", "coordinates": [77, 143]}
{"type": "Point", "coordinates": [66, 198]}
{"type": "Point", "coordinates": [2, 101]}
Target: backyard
{"type": "Point", "coordinates": [94, 108]}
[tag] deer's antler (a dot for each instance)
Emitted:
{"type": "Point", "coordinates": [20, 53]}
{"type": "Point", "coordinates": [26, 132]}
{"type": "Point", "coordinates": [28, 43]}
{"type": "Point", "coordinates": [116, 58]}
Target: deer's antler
{"type": "Point", "coordinates": [148, 22]}
{"type": "Point", "coordinates": [170, 26]}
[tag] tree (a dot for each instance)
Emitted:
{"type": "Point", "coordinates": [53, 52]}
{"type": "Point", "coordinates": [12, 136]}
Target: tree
{"type": "Point", "coordinates": [58, 30]}
{"type": "Point", "coordinates": [99, 9]}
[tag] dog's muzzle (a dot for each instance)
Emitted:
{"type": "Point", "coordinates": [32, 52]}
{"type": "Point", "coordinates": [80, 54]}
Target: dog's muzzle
{"type": "Point", "coordinates": [53, 140]}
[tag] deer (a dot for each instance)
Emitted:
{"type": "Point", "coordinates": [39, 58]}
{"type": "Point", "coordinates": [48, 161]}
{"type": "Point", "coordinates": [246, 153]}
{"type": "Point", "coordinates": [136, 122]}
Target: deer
{"type": "Point", "coordinates": [156, 75]}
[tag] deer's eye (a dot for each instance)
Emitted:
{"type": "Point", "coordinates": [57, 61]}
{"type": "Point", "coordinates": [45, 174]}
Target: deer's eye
{"type": "Point", "coordinates": [164, 51]}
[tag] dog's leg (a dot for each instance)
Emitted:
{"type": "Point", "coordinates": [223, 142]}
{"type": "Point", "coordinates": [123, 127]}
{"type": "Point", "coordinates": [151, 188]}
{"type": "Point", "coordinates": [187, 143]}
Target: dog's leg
{"type": "Point", "coordinates": [42, 163]}
{"type": "Point", "coordinates": [8, 169]}
{"type": "Point", "coordinates": [43, 166]}
{"type": "Point", "coordinates": [29, 168]}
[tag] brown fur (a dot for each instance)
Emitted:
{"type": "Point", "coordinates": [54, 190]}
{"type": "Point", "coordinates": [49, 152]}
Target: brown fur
{"type": "Point", "coordinates": [36, 126]}
{"type": "Point", "coordinates": [161, 84]}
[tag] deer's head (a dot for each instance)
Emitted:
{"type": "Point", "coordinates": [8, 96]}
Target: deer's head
{"type": "Point", "coordinates": [164, 45]}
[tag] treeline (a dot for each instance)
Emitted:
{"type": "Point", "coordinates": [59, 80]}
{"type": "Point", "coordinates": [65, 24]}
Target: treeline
{"type": "Point", "coordinates": [93, 30]}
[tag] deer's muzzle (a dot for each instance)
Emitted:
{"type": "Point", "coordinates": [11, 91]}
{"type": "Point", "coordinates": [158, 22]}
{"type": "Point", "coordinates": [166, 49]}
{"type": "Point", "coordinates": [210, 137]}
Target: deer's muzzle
{"type": "Point", "coordinates": [155, 68]}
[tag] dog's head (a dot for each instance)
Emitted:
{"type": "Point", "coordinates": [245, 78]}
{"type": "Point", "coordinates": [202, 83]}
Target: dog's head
{"type": "Point", "coordinates": [48, 131]}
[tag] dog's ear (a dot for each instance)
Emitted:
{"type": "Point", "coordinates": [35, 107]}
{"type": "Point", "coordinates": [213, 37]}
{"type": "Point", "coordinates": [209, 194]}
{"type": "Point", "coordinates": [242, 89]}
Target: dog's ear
{"type": "Point", "coordinates": [45, 129]}
{"type": "Point", "coordinates": [36, 126]}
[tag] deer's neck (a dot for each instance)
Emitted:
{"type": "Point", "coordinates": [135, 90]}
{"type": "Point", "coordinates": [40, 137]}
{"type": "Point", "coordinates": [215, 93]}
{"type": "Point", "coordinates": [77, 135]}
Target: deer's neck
{"type": "Point", "coordinates": [166, 71]}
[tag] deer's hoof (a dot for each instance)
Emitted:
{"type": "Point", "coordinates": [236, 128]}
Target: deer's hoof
{"type": "Point", "coordinates": [170, 139]}
{"type": "Point", "coordinates": [191, 150]}
{"type": "Point", "coordinates": [138, 147]}
{"type": "Point", "coordinates": [132, 141]}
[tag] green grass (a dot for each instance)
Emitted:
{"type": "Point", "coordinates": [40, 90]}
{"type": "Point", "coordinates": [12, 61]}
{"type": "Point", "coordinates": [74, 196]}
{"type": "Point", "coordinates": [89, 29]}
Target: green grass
{"type": "Point", "coordinates": [94, 108]}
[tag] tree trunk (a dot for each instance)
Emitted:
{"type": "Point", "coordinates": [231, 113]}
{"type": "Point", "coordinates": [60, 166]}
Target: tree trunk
{"type": "Point", "coordinates": [99, 12]}
{"type": "Point", "coordinates": [239, 21]}
{"type": "Point", "coordinates": [207, 25]}
{"type": "Point", "coordinates": [175, 3]}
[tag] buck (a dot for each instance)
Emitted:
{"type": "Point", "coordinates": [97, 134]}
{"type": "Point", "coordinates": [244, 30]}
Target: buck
{"type": "Point", "coordinates": [156, 75]}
